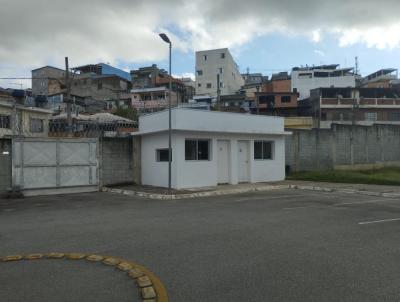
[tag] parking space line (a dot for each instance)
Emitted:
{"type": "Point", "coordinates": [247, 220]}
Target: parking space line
{"type": "Point", "coordinates": [268, 197]}
{"type": "Point", "coordinates": [295, 208]}
{"type": "Point", "coordinates": [379, 221]}
{"type": "Point", "coordinates": [361, 202]}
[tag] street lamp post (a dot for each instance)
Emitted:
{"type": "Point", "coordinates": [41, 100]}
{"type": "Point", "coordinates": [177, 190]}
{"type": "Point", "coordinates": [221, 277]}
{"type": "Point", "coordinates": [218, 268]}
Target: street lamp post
{"type": "Point", "coordinates": [165, 38]}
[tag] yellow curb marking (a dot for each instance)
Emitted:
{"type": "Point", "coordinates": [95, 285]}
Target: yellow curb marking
{"type": "Point", "coordinates": [95, 258]}
{"type": "Point", "coordinates": [111, 261]}
{"type": "Point", "coordinates": [55, 255]}
{"type": "Point", "coordinates": [151, 288]}
{"type": "Point", "coordinates": [12, 258]}
{"type": "Point", "coordinates": [124, 266]}
{"type": "Point", "coordinates": [33, 256]}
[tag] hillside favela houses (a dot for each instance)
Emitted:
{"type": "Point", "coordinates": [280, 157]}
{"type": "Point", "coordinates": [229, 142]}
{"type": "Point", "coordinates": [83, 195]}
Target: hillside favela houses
{"type": "Point", "coordinates": [211, 148]}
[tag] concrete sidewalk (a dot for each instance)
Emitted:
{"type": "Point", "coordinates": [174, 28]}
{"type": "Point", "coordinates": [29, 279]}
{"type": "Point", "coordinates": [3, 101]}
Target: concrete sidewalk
{"type": "Point", "coordinates": [161, 193]}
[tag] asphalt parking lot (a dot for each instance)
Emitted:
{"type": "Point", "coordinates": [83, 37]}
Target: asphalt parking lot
{"type": "Point", "coordinates": [286, 245]}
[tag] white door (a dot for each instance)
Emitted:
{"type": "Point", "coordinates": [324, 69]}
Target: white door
{"type": "Point", "coordinates": [243, 161]}
{"type": "Point", "coordinates": [223, 162]}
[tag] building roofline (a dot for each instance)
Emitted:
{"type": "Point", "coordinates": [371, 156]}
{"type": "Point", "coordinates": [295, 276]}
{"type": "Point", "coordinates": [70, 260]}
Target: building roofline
{"type": "Point", "coordinates": [48, 66]}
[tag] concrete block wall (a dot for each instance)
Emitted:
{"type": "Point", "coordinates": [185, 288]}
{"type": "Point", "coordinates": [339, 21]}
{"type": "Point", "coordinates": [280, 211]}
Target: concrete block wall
{"type": "Point", "coordinates": [116, 161]}
{"type": "Point", "coordinates": [343, 146]}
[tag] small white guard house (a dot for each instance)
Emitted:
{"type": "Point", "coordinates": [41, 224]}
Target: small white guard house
{"type": "Point", "coordinates": [211, 148]}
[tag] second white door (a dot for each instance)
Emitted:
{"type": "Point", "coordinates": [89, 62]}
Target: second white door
{"type": "Point", "coordinates": [223, 162]}
{"type": "Point", "coordinates": [243, 161]}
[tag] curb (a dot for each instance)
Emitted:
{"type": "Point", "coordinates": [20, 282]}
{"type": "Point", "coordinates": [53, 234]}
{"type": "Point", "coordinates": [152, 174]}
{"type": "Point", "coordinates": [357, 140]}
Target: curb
{"type": "Point", "coordinates": [196, 194]}
{"type": "Point", "coordinates": [149, 285]}
{"type": "Point", "coordinates": [245, 190]}
{"type": "Point", "coordinates": [347, 191]}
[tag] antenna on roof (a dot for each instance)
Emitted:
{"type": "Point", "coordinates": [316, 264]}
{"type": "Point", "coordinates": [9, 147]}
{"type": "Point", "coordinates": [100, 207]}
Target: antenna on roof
{"type": "Point", "coordinates": [356, 65]}
{"type": "Point", "coordinates": [248, 70]}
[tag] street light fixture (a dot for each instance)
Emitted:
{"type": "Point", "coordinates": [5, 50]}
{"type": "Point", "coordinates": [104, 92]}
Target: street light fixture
{"type": "Point", "coordinates": [165, 38]}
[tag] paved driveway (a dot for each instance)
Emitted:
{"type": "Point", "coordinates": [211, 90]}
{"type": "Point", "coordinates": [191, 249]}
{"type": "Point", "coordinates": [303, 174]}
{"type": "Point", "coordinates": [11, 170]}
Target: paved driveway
{"type": "Point", "coordinates": [286, 245]}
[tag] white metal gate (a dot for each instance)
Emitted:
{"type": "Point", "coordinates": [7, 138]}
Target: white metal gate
{"type": "Point", "coordinates": [45, 166]}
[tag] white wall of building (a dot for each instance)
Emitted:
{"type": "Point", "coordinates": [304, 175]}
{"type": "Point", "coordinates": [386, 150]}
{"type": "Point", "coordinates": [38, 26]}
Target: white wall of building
{"type": "Point", "coordinates": [192, 174]}
{"type": "Point", "coordinates": [304, 84]}
{"type": "Point", "coordinates": [213, 62]}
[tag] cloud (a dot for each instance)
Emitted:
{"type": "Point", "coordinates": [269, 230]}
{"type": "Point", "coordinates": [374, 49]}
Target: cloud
{"type": "Point", "coordinates": [40, 32]}
{"type": "Point", "coordinates": [319, 52]}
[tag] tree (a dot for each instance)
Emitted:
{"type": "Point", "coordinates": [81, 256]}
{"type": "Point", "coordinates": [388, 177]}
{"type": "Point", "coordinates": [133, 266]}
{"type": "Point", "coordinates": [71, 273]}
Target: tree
{"type": "Point", "coordinates": [129, 113]}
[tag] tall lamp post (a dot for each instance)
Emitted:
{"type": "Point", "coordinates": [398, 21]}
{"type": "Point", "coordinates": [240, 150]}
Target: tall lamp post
{"type": "Point", "coordinates": [167, 40]}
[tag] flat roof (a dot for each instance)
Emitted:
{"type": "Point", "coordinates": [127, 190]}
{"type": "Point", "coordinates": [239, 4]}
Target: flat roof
{"type": "Point", "coordinates": [195, 120]}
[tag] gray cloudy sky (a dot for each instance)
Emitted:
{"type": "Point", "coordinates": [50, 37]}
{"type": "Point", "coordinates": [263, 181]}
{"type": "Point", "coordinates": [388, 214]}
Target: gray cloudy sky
{"type": "Point", "coordinates": [38, 32]}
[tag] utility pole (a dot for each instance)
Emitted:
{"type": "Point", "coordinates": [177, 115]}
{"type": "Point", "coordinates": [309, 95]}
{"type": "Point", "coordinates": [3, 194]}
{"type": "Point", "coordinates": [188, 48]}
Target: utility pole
{"type": "Point", "coordinates": [356, 67]}
{"type": "Point", "coordinates": [69, 107]}
{"type": "Point", "coordinates": [218, 94]}
{"type": "Point", "coordinates": [257, 98]}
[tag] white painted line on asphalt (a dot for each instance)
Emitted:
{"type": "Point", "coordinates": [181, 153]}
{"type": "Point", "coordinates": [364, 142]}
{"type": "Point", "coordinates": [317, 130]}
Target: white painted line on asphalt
{"type": "Point", "coordinates": [295, 208]}
{"type": "Point", "coordinates": [268, 197]}
{"type": "Point", "coordinates": [379, 221]}
{"type": "Point", "coordinates": [361, 202]}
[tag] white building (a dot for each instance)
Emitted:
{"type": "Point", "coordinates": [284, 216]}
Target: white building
{"type": "Point", "coordinates": [304, 79]}
{"type": "Point", "coordinates": [209, 63]}
{"type": "Point", "coordinates": [211, 148]}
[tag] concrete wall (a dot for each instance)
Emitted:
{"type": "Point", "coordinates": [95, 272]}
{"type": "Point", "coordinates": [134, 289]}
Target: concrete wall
{"type": "Point", "coordinates": [191, 174]}
{"type": "Point", "coordinates": [117, 161]}
{"type": "Point", "coordinates": [343, 147]}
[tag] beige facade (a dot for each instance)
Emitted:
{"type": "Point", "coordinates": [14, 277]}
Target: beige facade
{"type": "Point", "coordinates": [209, 64]}
{"type": "Point", "coordinates": [29, 122]}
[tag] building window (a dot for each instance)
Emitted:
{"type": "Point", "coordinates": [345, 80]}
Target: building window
{"type": "Point", "coordinates": [199, 72]}
{"type": "Point", "coordinates": [221, 85]}
{"type": "Point", "coordinates": [36, 125]}
{"type": "Point", "coordinates": [371, 116]}
{"type": "Point", "coordinates": [162, 155]}
{"type": "Point", "coordinates": [286, 99]}
{"type": "Point", "coordinates": [305, 76]}
{"type": "Point", "coordinates": [209, 85]}
{"type": "Point", "coordinates": [99, 86]}
{"type": "Point", "coordinates": [263, 150]}
{"type": "Point", "coordinates": [199, 85]}
{"type": "Point", "coordinates": [197, 149]}
{"type": "Point", "coordinates": [5, 121]}
{"type": "Point", "coordinates": [205, 57]}
{"type": "Point", "coordinates": [222, 55]}
{"type": "Point", "coordinates": [395, 116]}
{"type": "Point", "coordinates": [220, 70]}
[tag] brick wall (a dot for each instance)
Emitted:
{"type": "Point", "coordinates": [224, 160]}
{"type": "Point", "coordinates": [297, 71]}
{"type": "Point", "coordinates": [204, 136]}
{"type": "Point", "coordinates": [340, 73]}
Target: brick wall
{"type": "Point", "coordinates": [343, 145]}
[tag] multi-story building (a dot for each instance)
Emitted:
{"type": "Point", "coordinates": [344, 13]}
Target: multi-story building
{"type": "Point", "coordinates": [47, 80]}
{"type": "Point", "coordinates": [362, 106]}
{"type": "Point", "coordinates": [384, 78]}
{"type": "Point", "coordinates": [276, 97]}
{"type": "Point", "coordinates": [94, 82]}
{"type": "Point", "coordinates": [210, 64]}
{"type": "Point", "coordinates": [304, 79]}
{"type": "Point", "coordinates": [154, 77]}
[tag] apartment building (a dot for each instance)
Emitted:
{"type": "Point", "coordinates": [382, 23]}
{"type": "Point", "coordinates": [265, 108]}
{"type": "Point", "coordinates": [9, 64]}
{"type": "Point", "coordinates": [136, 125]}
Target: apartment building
{"type": "Point", "coordinates": [304, 79]}
{"type": "Point", "coordinates": [361, 106]}
{"type": "Point", "coordinates": [211, 64]}
{"type": "Point", "coordinates": [383, 78]}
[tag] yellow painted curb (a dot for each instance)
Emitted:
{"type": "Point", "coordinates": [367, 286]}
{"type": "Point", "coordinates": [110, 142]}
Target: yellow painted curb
{"type": "Point", "coordinates": [149, 285]}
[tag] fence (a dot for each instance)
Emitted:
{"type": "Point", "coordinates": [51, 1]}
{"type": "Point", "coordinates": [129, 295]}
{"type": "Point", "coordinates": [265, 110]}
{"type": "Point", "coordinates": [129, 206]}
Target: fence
{"type": "Point", "coordinates": [343, 146]}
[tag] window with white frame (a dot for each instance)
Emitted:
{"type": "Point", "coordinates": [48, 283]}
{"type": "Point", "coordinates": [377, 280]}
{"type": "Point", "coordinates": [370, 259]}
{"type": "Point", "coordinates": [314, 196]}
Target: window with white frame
{"type": "Point", "coordinates": [221, 70]}
{"type": "Point", "coordinates": [209, 85]}
{"type": "Point", "coordinates": [200, 72]}
{"type": "Point", "coordinates": [197, 149]}
{"type": "Point", "coordinates": [162, 155]}
{"type": "Point", "coordinates": [35, 125]}
{"type": "Point", "coordinates": [222, 55]}
{"type": "Point", "coordinates": [371, 116]}
{"type": "Point", "coordinates": [263, 150]}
